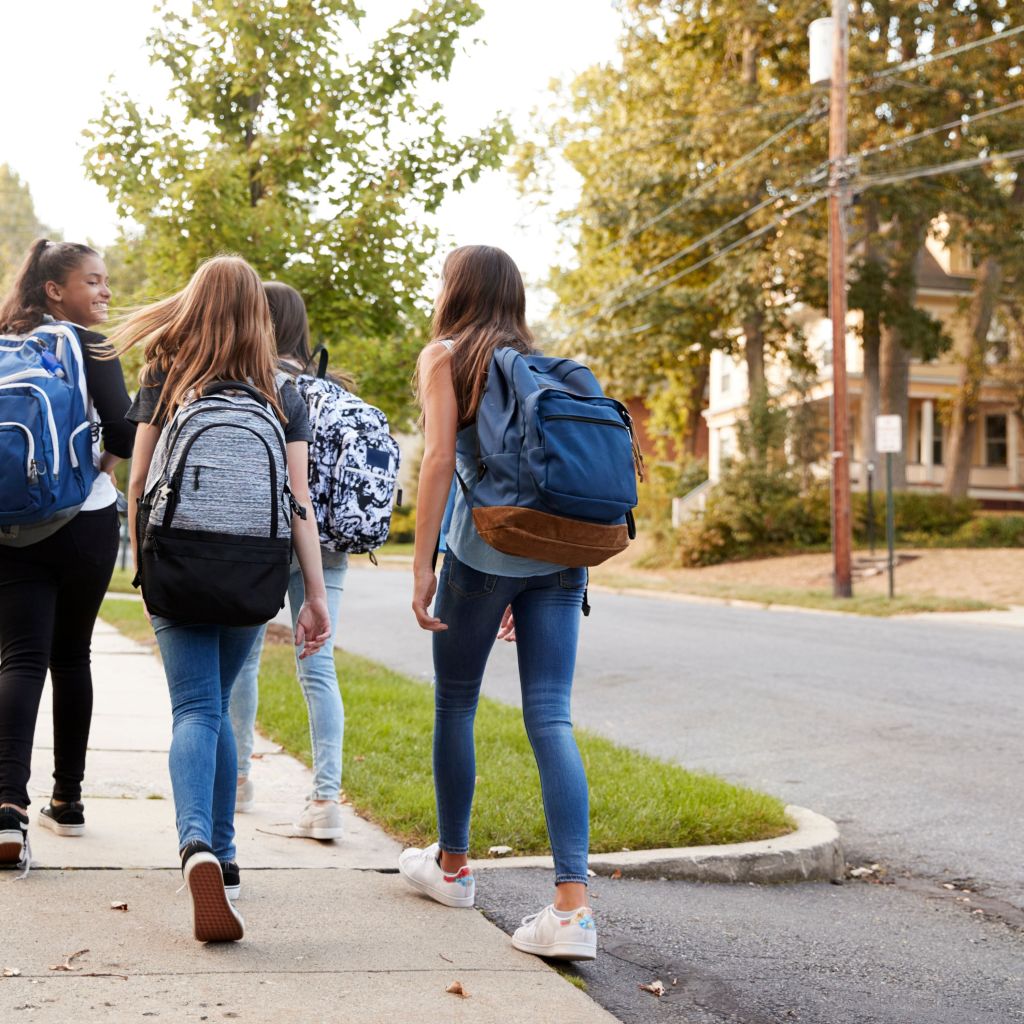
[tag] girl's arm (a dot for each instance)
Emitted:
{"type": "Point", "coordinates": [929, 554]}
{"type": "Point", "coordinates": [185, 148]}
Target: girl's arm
{"type": "Point", "coordinates": [313, 624]}
{"type": "Point", "coordinates": [440, 423]}
{"type": "Point", "coordinates": [146, 437]}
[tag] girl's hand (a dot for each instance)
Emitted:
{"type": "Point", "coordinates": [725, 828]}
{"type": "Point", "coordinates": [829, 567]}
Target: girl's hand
{"type": "Point", "coordinates": [313, 626]}
{"type": "Point", "coordinates": [507, 629]}
{"type": "Point", "coordinates": [423, 589]}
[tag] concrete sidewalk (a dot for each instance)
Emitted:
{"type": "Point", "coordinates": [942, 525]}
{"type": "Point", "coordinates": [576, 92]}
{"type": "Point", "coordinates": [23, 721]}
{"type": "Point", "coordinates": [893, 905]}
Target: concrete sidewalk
{"type": "Point", "coordinates": [329, 935]}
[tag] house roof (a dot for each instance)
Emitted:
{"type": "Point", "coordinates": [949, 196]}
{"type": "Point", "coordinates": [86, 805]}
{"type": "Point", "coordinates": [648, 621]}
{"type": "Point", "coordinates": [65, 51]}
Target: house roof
{"type": "Point", "coordinates": [930, 275]}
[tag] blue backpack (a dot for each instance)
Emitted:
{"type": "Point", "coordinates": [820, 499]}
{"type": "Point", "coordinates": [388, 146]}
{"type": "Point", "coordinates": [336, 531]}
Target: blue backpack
{"type": "Point", "coordinates": [558, 463]}
{"type": "Point", "coordinates": [45, 433]}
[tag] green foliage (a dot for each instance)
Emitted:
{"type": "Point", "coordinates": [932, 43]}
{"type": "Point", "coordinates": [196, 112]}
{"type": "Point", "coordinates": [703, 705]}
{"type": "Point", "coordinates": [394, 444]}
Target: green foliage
{"type": "Point", "coordinates": [915, 515]}
{"type": "Point", "coordinates": [19, 225]}
{"type": "Point", "coordinates": [403, 525]}
{"type": "Point", "coordinates": [1003, 531]}
{"type": "Point", "coordinates": [315, 165]}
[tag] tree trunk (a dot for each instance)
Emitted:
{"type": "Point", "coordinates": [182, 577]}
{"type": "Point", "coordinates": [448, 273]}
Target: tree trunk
{"type": "Point", "coordinates": [694, 408]}
{"type": "Point", "coordinates": [963, 427]}
{"type": "Point", "coordinates": [871, 339]}
{"type": "Point", "coordinates": [894, 354]}
{"type": "Point", "coordinates": [753, 350]}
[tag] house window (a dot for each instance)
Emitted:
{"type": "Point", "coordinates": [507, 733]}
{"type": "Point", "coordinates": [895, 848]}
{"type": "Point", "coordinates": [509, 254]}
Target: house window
{"type": "Point", "coordinates": [995, 440]}
{"type": "Point", "coordinates": [937, 445]}
{"type": "Point", "coordinates": [725, 381]}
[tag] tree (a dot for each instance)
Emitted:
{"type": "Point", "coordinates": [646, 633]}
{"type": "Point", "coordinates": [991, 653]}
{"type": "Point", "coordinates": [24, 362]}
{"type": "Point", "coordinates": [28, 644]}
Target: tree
{"type": "Point", "coordinates": [19, 225]}
{"type": "Point", "coordinates": [318, 167]}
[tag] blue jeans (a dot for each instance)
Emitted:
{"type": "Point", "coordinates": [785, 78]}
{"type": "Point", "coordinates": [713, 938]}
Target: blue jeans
{"type": "Point", "coordinates": [547, 615]}
{"type": "Point", "coordinates": [319, 680]}
{"type": "Point", "coordinates": [201, 662]}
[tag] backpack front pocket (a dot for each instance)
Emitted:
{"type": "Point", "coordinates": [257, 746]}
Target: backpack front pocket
{"type": "Point", "coordinates": [21, 494]}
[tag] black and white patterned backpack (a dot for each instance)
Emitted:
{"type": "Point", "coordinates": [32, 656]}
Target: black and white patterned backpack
{"type": "Point", "coordinates": [353, 465]}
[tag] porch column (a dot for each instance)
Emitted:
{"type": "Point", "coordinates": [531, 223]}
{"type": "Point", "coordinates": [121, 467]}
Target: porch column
{"type": "Point", "coordinates": [928, 438]}
{"type": "Point", "coordinates": [1013, 447]}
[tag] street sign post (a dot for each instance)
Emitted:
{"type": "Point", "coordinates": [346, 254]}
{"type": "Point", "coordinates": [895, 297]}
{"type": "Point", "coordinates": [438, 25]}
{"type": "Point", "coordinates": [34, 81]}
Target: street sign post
{"type": "Point", "coordinates": [889, 440]}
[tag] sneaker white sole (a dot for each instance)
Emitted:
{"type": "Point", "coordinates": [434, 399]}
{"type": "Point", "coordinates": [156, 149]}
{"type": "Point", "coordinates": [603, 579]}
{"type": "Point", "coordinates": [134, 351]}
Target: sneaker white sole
{"type": "Point", "coordinates": [438, 894]}
{"type": "Point", "coordinates": [62, 830]}
{"type": "Point", "coordinates": [11, 845]}
{"type": "Point", "coordinates": [232, 892]}
{"type": "Point", "coordinates": [319, 833]}
{"type": "Point", "coordinates": [558, 950]}
{"type": "Point", "coordinates": [213, 917]}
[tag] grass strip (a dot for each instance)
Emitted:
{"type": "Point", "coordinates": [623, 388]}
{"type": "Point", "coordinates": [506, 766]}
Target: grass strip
{"type": "Point", "coordinates": [636, 801]}
{"type": "Point", "coordinates": [878, 605]}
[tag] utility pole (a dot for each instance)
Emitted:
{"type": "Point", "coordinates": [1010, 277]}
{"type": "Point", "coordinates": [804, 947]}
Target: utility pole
{"type": "Point", "coordinates": [842, 584]}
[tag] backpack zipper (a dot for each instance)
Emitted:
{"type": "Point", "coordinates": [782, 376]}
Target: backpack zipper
{"type": "Point", "coordinates": [31, 472]}
{"type": "Point", "coordinates": [49, 411]}
{"type": "Point", "coordinates": [585, 419]}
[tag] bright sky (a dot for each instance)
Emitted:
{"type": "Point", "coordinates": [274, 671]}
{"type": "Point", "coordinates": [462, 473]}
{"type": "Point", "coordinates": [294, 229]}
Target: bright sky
{"type": "Point", "coordinates": [60, 55]}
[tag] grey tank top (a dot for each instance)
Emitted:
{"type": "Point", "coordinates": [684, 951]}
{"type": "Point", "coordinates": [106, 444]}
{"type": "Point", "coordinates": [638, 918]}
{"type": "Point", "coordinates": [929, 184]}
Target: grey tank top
{"type": "Point", "coordinates": [462, 539]}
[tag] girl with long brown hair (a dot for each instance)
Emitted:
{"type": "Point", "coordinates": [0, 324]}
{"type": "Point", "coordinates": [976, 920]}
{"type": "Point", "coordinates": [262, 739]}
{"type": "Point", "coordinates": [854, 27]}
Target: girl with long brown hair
{"type": "Point", "coordinates": [50, 590]}
{"type": "Point", "coordinates": [217, 329]}
{"type": "Point", "coordinates": [484, 594]}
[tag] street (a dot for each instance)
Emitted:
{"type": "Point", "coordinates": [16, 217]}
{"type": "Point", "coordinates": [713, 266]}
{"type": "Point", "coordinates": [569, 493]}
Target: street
{"type": "Point", "coordinates": [907, 733]}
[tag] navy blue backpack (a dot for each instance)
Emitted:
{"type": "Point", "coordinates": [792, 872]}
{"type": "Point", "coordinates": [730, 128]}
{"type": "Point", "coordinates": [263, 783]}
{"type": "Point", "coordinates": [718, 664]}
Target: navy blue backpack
{"type": "Point", "coordinates": [558, 462]}
{"type": "Point", "coordinates": [45, 433]}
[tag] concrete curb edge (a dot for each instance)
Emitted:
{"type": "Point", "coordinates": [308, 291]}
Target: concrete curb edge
{"type": "Point", "coordinates": [811, 853]}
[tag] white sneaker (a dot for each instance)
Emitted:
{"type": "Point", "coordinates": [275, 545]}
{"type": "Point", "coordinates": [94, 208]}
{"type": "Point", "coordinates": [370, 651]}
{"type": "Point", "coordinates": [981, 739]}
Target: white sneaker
{"type": "Point", "coordinates": [320, 821]}
{"type": "Point", "coordinates": [245, 797]}
{"type": "Point", "coordinates": [422, 870]}
{"type": "Point", "coordinates": [562, 938]}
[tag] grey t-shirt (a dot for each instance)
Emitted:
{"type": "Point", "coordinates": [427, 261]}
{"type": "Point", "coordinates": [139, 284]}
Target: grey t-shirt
{"type": "Point", "coordinates": [296, 429]}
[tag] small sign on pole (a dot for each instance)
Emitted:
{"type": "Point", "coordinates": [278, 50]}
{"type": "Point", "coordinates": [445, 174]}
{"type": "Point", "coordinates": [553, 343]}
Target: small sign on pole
{"type": "Point", "coordinates": [888, 440]}
{"type": "Point", "coordinates": [889, 434]}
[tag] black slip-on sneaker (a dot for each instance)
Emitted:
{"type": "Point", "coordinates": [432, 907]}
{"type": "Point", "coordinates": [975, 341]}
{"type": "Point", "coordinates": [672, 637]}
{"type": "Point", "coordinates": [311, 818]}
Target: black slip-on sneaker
{"type": "Point", "coordinates": [232, 879]}
{"type": "Point", "coordinates": [64, 819]}
{"type": "Point", "coordinates": [214, 919]}
{"type": "Point", "coordinates": [13, 835]}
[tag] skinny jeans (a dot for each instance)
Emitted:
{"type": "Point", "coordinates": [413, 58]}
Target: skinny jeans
{"type": "Point", "coordinates": [50, 594]}
{"type": "Point", "coordinates": [201, 663]}
{"type": "Point", "coordinates": [547, 617]}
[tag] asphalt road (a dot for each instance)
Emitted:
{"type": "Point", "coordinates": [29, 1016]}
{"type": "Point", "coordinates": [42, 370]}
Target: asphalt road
{"type": "Point", "coordinates": [907, 733]}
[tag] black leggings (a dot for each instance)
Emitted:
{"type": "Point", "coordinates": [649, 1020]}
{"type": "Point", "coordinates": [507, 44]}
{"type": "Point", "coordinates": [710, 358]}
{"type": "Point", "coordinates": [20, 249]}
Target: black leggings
{"type": "Point", "coordinates": [50, 594]}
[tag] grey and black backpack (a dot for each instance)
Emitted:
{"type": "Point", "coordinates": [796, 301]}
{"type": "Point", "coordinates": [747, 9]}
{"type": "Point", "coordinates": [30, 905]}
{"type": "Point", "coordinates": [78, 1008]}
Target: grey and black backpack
{"type": "Point", "coordinates": [214, 524]}
{"type": "Point", "coordinates": [353, 465]}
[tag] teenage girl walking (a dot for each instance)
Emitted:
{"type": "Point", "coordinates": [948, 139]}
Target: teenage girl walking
{"type": "Point", "coordinates": [482, 595]}
{"type": "Point", "coordinates": [321, 817]}
{"type": "Point", "coordinates": [217, 329]}
{"type": "Point", "coordinates": [50, 591]}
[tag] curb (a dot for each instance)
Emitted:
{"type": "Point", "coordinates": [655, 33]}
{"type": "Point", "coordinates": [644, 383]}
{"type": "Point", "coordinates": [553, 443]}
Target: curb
{"type": "Point", "coordinates": [811, 853]}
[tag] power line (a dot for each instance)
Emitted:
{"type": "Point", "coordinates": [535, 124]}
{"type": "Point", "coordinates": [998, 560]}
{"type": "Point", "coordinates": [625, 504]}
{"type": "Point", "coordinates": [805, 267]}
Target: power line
{"type": "Point", "coordinates": [1012, 156]}
{"type": "Point", "coordinates": [918, 62]}
{"type": "Point", "coordinates": [693, 267]}
{"type": "Point", "coordinates": [962, 122]}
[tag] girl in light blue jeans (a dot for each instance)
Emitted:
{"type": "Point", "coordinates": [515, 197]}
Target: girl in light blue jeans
{"type": "Point", "coordinates": [321, 817]}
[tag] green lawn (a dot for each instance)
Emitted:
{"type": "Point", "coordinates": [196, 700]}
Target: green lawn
{"type": "Point", "coordinates": [636, 801]}
{"type": "Point", "coordinates": [121, 582]}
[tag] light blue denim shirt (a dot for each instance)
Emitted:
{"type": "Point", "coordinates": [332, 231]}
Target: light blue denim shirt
{"type": "Point", "coordinates": [463, 539]}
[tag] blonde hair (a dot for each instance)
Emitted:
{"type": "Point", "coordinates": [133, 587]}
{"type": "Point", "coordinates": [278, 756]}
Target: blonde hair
{"type": "Point", "coordinates": [217, 327]}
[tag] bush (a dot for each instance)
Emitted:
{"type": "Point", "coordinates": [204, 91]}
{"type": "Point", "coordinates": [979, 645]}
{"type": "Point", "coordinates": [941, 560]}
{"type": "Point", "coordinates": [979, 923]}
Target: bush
{"type": "Point", "coordinates": [990, 532]}
{"type": "Point", "coordinates": [403, 525]}
{"type": "Point", "coordinates": [931, 515]}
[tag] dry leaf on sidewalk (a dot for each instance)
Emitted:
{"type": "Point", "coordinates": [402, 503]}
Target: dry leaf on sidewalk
{"type": "Point", "coordinates": [456, 989]}
{"type": "Point", "coordinates": [118, 906]}
{"type": "Point", "coordinates": [656, 988]}
{"type": "Point", "coordinates": [12, 972]}
{"type": "Point", "coordinates": [617, 873]}
{"type": "Point", "coordinates": [499, 851]}
{"type": "Point", "coordinates": [68, 965]}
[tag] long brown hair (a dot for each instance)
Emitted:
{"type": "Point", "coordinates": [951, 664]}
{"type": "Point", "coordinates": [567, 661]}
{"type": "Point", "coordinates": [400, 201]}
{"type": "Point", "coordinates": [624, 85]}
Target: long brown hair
{"type": "Point", "coordinates": [482, 307]}
{"type": "Point", "coordinates": [291, 329]}
{"type": "Point", "coordinates": [25, 305]}
{"type": "Point", "coordinates": [217, 327]}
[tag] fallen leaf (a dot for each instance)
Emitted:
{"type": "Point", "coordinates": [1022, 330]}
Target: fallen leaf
{"type": "Point", "coordinates": [656, 988]}
{"type": "Point", "coordinates": [359, 757]}
{"type": "Point", "coordinates": [118, 906]}
{"type": "Point", "coordinates": [12, 972]}
{"type": "Point", "coordinates": [860, 872]}
{"type": "Point", "coordinates": [67, 965]}
{"type": "Point", "coordinates": [456, 989]}
{"type": "Point", "coordinates": [617, 873]}
{"type": "Point", "coordinates": [499, 851]}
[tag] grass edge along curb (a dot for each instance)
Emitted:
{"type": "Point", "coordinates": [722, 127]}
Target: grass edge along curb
{"type": "Point", "coordinates": [637, 801]}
